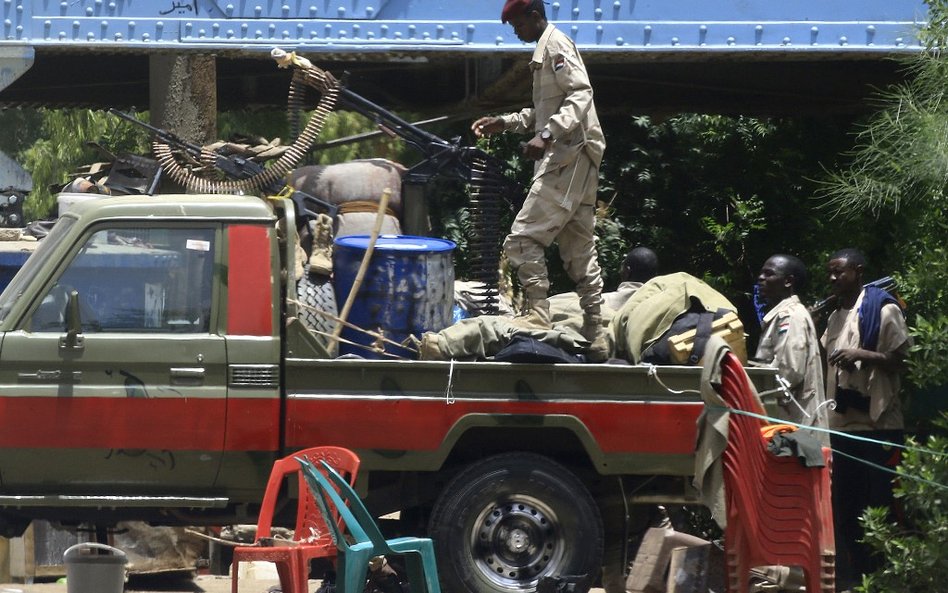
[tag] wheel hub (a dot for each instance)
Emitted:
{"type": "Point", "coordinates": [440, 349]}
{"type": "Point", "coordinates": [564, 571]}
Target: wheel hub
{"type": "Point", "coordinates": [517, 542]}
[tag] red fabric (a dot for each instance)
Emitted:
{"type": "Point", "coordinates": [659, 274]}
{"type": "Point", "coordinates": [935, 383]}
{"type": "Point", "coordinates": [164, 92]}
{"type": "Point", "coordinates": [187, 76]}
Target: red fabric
{"type": "Point", "coordinates": [778, 511]}
{"type": "Point", "coordinates": [311, 537]}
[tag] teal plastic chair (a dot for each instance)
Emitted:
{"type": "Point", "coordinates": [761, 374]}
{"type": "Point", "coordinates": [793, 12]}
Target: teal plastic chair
{"type": "Point", "coordinates": [352, 563]}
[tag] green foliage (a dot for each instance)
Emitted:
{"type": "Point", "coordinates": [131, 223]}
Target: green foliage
{"type": "Point", "coordinates": [21, 128]}
{"type": "Point", "coordinates": [917, 551]}
{"type": "Point", "coordinates": [924, 283]}
{"type": "Point", "coordinates": [341, 124]}
{"type": "Point", "coordinates": [715, 196]}
{"type": "Point", "coordinates": [928, 355]}
{"type": "Point", "coordinates": [52, 144]}
{"type": "Point", "coordinates": [610, 245]}
{"type": "Point", "coordinates": [63, 147]}
{"type": "Point", "coordinates": [898, 171]}
{"type": "Point", "coordinates": [272, 123]}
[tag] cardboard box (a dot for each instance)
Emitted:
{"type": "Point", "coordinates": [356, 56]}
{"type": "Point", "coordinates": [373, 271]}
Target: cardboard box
{"type": "Point", "coordinates": [653, 558]}
{"type": "Point", "coordinates": [696, 569]}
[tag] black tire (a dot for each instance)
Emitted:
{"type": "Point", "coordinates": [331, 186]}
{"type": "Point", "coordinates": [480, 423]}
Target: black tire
{"type": "Point", "coordinates": [316, 292]}
{"type": "Point", "coordinates": [508, 520]}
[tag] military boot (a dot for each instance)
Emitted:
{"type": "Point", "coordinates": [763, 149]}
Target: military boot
{"type": "Point", "coordinates": [320, 260]}
{"type": "Point", "coordinates": [593, 331]}
{"type": "Point", "coordinates": [535, 315]}
{"type": "Point", "coordinates": [429, 347]}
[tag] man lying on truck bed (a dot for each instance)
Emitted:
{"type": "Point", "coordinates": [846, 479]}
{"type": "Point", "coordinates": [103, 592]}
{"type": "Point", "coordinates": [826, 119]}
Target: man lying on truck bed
{"type": "Point", "coordinates": [645, 318]}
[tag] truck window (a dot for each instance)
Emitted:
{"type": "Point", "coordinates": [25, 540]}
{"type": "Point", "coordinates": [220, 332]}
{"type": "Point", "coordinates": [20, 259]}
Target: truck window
{"type": "Point", "coordinates": [136, 280]}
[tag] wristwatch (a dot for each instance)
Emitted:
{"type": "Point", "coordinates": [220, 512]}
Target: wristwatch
{"type": "Point", "coordinates": [546, 135]}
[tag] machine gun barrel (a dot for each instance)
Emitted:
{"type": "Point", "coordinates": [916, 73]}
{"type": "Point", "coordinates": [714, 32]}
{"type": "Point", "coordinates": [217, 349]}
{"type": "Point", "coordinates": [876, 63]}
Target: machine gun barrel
{"type": "Point", "coordinates": [231, 166]}
{"type": "Point", "coordinates": [234, 167]}
{"type": "Point", "coordinates": [417, 137]}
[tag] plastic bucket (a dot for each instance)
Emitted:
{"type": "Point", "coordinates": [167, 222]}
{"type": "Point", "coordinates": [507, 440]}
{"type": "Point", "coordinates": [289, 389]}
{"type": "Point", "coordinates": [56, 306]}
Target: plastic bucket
{"type": "Point", "coordinates": [88, 571]}
{"type": "Point", "coordinates": [408, 288]}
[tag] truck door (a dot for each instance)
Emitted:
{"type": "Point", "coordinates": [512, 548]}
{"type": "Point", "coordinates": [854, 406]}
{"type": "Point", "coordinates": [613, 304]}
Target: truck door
{"type": "Point", "coordinates": [137, 403]}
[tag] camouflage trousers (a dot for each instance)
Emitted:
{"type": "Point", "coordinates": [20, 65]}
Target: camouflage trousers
{"type": "Point", "coordinates": [480, 337]}
{"type": "Point", "coordinates": [561, 207]}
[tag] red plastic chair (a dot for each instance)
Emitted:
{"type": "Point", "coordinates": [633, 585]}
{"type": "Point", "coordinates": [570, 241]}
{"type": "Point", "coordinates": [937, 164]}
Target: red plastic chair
{"type": "Point", "coordinates": [778, 511]}
{"type": "Point", "coordinates": [311, 537]}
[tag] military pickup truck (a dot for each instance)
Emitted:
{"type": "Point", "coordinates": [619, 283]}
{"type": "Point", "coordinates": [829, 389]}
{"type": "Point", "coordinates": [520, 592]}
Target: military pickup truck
{"type": "Point", "coordinates": [152, 366]}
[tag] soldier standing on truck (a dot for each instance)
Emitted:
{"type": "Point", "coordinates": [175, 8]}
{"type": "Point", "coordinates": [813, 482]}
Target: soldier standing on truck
{"type": "Point", "coordinates": [567, 146]}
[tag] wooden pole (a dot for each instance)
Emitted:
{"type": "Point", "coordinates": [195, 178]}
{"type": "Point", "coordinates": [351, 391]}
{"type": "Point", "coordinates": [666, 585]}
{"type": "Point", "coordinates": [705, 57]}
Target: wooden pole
{"type": "Point", "coordinates": [360, 275]}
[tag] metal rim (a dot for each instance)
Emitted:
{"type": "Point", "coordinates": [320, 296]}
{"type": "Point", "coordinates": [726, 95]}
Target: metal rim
{"type": "Point", "coordinates": [517, 541]}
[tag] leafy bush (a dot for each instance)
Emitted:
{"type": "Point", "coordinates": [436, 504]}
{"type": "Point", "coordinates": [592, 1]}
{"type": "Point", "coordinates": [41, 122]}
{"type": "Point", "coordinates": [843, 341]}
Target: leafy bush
{"type": "Point", "coordinates": [917, 551]}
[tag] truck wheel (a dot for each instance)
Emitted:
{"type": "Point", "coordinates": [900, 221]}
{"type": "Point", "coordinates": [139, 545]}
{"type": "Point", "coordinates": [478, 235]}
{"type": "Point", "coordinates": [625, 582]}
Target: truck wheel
{"type": "Point", "coordinates": [316, 292]}
{"type": "Point", "coordinates": [508, 520]}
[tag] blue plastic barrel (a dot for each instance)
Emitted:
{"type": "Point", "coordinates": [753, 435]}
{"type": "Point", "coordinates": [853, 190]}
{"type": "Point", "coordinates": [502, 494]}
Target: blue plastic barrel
{"type": "Point", "coordinates": [408, 288]}
{"type": "Point", "coordinates": [10, 264]}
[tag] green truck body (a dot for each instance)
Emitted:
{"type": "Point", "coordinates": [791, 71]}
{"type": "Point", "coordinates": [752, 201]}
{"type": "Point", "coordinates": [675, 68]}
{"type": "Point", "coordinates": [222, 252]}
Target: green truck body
{"type": "Point", "coordinates": [152, 366]}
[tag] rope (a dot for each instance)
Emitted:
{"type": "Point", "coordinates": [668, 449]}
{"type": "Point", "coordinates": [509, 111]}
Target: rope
{"type": "Point", "coordinates": [350, 325]}
{"type": "Point", "coordinates": [374, 348]}
{"type": "Point", "coordinates": [449, 391]}
{"type": "Point", "coordinates": [653, 373]}
{"type": "Point", "coordinates": [848, 435]}
{"type": "Point", "coordinates": [889, 470]}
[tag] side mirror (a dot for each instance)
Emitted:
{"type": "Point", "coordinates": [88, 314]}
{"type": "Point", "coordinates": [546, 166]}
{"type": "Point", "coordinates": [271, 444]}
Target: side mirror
{"type": "Point", "coordinates": [73, 337]}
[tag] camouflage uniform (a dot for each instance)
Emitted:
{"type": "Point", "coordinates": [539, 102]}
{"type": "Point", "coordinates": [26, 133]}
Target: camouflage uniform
{"type": "Point", "coordinates": [788, 342]}
{"type": "Point", "coordinates": [562, 199]}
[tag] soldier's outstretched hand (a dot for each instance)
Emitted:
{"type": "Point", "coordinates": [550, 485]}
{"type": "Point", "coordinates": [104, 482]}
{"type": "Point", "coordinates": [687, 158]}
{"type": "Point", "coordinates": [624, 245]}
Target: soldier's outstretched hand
{"type": "Point", "coordinates": [487, 126]}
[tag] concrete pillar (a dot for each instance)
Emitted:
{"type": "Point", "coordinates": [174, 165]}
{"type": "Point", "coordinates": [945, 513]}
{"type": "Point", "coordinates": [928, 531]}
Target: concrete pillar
{"type": "Point", "coordinates": [183, 95]}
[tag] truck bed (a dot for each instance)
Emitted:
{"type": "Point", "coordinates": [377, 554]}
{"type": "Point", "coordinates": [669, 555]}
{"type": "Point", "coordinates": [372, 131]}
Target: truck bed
{"type": "Point", "coordinates": [640, 426]}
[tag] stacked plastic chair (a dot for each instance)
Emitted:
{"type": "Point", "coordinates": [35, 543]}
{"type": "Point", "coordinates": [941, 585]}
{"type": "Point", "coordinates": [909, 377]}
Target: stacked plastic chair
{"type": "Point", "coordinates": [312, 537]}
{"type": "Point", "coordinates": [778, 511]}
{"type": "Point", "coordinates": [359, 539]}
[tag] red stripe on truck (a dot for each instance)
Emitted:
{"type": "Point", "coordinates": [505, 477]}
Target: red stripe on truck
{"type": "Point", "coordinates": [249, 293]}
{"type": "Point", "coordinates": [421, 425]}
{"type": "Point", "coordinates": [252, 424]}
{"type": "Point", "coordinates": [195, 424]}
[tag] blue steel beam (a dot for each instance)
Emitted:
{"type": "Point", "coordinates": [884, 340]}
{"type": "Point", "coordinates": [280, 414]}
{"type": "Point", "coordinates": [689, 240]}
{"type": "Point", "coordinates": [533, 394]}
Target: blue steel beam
{"type": "Point", "coordinates": [604, 29]}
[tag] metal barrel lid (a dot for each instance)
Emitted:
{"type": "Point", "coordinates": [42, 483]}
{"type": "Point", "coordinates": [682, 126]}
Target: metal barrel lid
{"type": "Point", "coordinates": [406, 243]}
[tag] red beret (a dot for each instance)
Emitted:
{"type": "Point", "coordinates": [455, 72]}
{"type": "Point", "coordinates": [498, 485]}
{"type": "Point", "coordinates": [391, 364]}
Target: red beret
{"type": "Point", "coordinates": [514, 8]}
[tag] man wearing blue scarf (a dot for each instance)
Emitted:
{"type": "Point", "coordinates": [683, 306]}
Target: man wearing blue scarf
{"type": "Point", "coordinates": [788, 341]}
{"type": "Point", "coordinates": [866, 342]}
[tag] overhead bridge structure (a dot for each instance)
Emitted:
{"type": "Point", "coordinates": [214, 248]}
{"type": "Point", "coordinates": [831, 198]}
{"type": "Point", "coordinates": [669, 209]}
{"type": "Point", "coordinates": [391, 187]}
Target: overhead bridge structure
{"type": "Point", "coordinates": [644, 56]}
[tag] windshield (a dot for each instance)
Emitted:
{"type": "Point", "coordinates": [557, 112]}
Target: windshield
{"type": "Point", "coordinates": [18, 285]}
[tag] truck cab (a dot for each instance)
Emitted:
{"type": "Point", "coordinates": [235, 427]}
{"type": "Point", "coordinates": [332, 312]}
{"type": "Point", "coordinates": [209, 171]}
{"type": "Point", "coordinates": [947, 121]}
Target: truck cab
{"type": "Point", "coordinates": [127, 338]}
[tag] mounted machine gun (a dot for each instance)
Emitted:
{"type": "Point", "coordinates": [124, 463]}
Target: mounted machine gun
{"type": "Point", "coordinates": [482, 173]}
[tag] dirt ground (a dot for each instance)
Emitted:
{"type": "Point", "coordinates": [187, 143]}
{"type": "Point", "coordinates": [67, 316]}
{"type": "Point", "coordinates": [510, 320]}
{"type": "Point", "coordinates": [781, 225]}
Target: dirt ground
{"type": "Point", "coordinates": [169, 584]}
{"type": "Point", "coordinates": [180, 583]}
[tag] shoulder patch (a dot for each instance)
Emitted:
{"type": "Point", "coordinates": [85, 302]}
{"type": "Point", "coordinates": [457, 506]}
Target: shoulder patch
{"type": "Point", "coordinates": [559, 62]}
